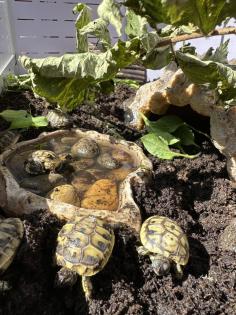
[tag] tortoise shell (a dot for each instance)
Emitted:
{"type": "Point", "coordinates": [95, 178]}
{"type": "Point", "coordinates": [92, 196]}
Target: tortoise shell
{"type": "Point", "coordinates": [163, 236]}
{"type": "Point", "coordinates": [11, 233]}
{"type": "Point", "coordinates": [42, 161]}
{"type": "Point", "coordinates": [84, 245]}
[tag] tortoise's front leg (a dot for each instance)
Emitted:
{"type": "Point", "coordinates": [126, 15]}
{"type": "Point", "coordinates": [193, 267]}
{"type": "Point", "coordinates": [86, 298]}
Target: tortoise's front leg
{"type": "Point", "coordinates": [178, 271]}
{"type": "Point", "coordinates": [87, 287]}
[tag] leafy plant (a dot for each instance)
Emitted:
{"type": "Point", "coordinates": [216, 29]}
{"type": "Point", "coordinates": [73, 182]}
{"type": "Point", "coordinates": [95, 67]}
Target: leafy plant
{"type": "Point", "coordinates": [167, 132]}
{"type": "Point", "coordinates": [22, 119]}
{"type": "Point", "coordinates": [71, 79]}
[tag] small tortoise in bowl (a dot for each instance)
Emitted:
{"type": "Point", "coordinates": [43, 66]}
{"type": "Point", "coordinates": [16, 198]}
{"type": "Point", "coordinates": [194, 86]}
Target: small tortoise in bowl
{"type": "Point", "coordinates": [84, 246]}
{"type": "Point", "coordinates": [165, 243]}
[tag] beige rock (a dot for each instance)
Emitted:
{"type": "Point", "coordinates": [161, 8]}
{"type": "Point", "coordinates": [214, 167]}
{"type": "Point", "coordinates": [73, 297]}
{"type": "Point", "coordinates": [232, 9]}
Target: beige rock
{"type": "Point", "coordinates": [102, 195]}
{"type": "Point", "coordinates": [172, 88]}
{"type": "Point", "coordinates": [65, 193]}
{"type": "Point", "coordinates": [41, 184]}
{"type": "Point", "coordinates": [223, 133]}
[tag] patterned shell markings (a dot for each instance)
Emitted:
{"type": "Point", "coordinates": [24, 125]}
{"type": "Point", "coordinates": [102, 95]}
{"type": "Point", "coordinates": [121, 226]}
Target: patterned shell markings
{"type": "Point", "coordinates": [163, 236]}
{"type": "Point", "coordinates": [11, 234]}
{"type": "Point", "coordinates": [84, 245]}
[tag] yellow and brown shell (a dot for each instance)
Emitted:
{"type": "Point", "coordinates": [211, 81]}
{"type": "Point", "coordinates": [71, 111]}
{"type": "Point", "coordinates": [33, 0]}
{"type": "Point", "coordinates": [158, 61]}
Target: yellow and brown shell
{"type": "Point", "coordinates": [84, 245]}
{"type": "Point", "coordinates": [163, 236]}
{"type": "Point", "coordinates": [11, 233]}
{"type": "Point", "coordinates": [42, 161]}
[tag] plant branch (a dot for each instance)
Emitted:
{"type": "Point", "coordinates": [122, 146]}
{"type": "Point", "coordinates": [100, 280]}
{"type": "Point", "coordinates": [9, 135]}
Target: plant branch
{"type": "Point", "coordinates": [180, 38]}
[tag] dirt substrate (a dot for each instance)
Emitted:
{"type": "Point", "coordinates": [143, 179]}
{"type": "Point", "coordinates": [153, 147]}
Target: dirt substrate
{"type": "Point", "coordinates": [196, 193]}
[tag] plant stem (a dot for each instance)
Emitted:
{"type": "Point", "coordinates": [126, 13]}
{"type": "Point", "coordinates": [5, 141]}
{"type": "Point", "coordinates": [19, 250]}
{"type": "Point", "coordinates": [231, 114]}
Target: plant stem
{"type": "Point", "coordinates": [180, 38]}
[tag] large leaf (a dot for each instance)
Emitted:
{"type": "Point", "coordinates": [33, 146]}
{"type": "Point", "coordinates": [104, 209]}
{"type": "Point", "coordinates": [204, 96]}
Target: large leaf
{"type": "Point", "coordinates": [21, 119]}
{"type": "Point", "coordinates": [154, 145]}
{"type": "Point", "coordinates": [84, 17]}
{"type": "Point", "coordinates": [135, 25]}
{"type": "Point", "coordinates": [205, 14]}
{"type": "Point", "coordinates": [218, 75]}
{"type": "Point", "coordinates": [68, 79]}
{"type": "Point", "coordinates": [109, 10]}
{"type": "Point", "coordinates": [98, 28]}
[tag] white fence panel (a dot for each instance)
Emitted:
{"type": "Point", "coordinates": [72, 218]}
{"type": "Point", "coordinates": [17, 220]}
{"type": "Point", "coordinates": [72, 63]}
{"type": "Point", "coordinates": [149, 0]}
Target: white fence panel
{"type": "Point", "coordinates": [47, 27]}
{"type": "Point", "coordinates": [6, 41]}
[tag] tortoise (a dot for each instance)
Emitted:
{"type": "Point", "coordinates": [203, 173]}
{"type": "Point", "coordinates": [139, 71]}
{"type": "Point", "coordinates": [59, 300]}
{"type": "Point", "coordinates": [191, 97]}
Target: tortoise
{"type": "Point", "coordinates": [11, 234]}
{"type": "Point", "coordinates": [165, 243]}
{"type": "Point", "coordinates": [84, 246]}
{"type": "Point", "coordinates": [42, 161]}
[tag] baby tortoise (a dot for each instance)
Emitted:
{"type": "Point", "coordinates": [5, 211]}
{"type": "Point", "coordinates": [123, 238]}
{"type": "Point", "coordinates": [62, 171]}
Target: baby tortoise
{"type": "Point", "coordinates": [84, 246]}
{"type": "Point", "coordinates": [165, 242]}
{"type": "Point", "coordinates": [11, 234]}
{"type": "Point", "coordinates": [85, 148]}
{"type": "Point", "coordinates": [42, 161]}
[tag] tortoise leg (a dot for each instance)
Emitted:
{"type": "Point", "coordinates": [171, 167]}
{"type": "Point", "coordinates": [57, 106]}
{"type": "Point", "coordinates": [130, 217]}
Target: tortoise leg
{"type": "Point", "coordinates": [142, 250]}
{"type": "Point", "coordinates": [87, 287]}
{"type": "Point", "coordinates": [178, 271]}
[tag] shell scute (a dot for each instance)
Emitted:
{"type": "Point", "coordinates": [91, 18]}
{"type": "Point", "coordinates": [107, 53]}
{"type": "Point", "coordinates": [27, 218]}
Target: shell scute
{"type": "Point", "coordinates": [84, 245]}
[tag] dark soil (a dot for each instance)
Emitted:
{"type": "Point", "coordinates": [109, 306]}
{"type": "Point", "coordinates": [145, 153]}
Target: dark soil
{"type": "Point", "coordinates": [196, 193]}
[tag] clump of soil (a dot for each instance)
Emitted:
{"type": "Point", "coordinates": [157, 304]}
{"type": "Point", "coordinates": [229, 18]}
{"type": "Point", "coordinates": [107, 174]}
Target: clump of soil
{"type": "Point", "coordinates": [196, 193]}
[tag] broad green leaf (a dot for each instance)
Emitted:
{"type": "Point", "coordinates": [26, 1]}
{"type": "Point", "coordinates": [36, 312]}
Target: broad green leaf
{"type": "Point", "coordinates": [168, 123]}
{"type": "Point", "coordinates": [205, 14]}
{"type": "Point", "coordinates": [21, 119]}
{"type": "Point", "coordinates": [157, 147]}
{"type": "Point", "coordinates": [162, 133]}
{"type": "Point", "coordinates": [84, 17]}
{"type": "Point", "coordinates": [109, 10]}
{"type": "Point", "coordinates": [135, 25]}
{"type": "Point", "coordinates": [68, 80]}
{"type": "Point", "coordinates": [98, 28]}
{"type": "Point", "coordinates": [185, 135]}
{"type": "Point", "coordinates": [218, 75]}
{"type": "Point", "coordinates": [154, 58]}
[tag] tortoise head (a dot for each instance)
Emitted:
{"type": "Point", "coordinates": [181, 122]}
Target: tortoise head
{"type": "Point", "coordinates": [161, 265]}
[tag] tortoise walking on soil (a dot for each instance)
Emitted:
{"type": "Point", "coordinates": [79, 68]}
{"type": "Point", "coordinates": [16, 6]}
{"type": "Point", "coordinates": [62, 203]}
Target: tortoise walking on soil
{"type": "Point", "coordinates": [11, 234]}
{"type": "Point", "coordinates": [84, 246]}
{"type": "Point", "coordinates": [165, 242]}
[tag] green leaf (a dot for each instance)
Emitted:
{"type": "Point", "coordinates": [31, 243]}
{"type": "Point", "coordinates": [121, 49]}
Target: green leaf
{"type": "Point", "coordinates": [205, 14]}
{"type": "Point", "coordinates": [132, 83]}
{"type": "Point", "coordinates": [154, 145]}
{"type": "Point", "coordinates": [109, 11]}
{"type": "Point", "coordinates": [154, 58]}
{"type": "Point", "coordinates": [218, 75]}
{"type": "Point", "coordinates": [136, 25]}
{"type": "Point", "coordinates": [68, 80]}
{"type": "Point", "coordinates": [98, 28]}
{"type": "Point", "coordinates": [168, 123]}
{"type": "Point", "coordinates": [21, 119]}
{"type": "Point", "coordinates": [185, 135]}
{"type": "Point", "coordinates": [162, 133]}
{"type": "Point", "coordinates": [82, 20]}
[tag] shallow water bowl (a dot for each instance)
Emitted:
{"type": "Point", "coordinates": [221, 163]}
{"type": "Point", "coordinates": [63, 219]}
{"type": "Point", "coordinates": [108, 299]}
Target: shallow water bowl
{"type": "Point", "coordinates": [16, 200]}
